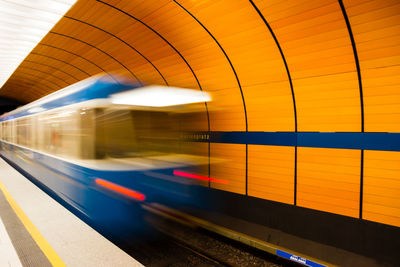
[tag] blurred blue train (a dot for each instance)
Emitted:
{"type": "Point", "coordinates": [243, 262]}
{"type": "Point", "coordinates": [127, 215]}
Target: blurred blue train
{"type": "Point", "coordinates": [103, 146]}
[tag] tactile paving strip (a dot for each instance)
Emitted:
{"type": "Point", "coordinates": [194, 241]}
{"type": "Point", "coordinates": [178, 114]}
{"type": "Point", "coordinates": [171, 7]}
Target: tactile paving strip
{"type": "Point", "coordinates": [28, 251]}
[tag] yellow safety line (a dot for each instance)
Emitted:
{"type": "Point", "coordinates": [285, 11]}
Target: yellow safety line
{"type": "Point", "coordinates": [51, 255]}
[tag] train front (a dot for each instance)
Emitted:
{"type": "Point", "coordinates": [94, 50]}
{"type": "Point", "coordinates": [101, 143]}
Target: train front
{"type": "Point", "coordinates": [152, 146]}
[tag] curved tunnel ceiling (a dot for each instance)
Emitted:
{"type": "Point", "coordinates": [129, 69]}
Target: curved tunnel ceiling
{"type": "Point", "coordinates": [271, 66]}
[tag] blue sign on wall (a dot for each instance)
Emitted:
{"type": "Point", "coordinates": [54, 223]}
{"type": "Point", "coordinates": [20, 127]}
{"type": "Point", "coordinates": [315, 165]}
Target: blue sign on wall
{"type": "Point", "coordinates": [298, 259]}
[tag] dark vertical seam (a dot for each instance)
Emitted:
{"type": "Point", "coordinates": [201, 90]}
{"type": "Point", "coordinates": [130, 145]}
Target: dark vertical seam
{"type": "Point", "coordinates": [291, 88]}
{"type": "Point", "coordinates": [173, 47]}
{"type": "Point", "coordinates": [79, 40]}
{"type": "Point", "coordinates": [361, 183]}
{"type": "Point", "coordinates": [247, 164]}
{"type": "Point", "coordinates": [234, 72]}
{"type": "Point", "coordinates": [353, 44]}
{"type": "Point", "coordinates": [295, 176]}
{"type": "Point", "coordinates": [130, 46]}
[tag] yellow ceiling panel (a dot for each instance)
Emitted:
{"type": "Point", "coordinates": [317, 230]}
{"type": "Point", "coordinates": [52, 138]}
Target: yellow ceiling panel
{"type": "Point", "coordinates": [269, 65]}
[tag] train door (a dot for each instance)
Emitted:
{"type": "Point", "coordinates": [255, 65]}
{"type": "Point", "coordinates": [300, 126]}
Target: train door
{"type": "Point", "coordinates": [13, 132]}
{"type": "Point", "coordinates": [87, 132]}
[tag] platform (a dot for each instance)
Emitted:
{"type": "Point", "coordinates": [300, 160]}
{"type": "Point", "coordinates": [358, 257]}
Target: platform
{"type": "Point", "coordinates": [35, 230]}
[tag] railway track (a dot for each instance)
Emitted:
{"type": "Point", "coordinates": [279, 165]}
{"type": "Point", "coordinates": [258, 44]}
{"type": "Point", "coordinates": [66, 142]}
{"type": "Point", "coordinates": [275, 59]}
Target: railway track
{"type": "Point", "coordinates": [176, 243]}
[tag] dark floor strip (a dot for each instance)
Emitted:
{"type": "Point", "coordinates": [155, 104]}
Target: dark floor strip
{"type": "Point", "coordinates": [28, 251]}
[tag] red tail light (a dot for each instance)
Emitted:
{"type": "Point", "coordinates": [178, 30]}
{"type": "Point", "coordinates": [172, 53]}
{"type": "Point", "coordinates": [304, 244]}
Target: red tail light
{"type": "Point", "coordinates": [199, 177]}
{"type": "Point", "coordinates": [121, 189]}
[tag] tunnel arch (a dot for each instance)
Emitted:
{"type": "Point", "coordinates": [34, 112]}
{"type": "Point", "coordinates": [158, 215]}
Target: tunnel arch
{"type": "Point", "coordinates": [308, 78]}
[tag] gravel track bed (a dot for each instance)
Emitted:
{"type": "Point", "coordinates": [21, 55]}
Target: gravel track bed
{"type": "Point", "coordinates": [180, 245]}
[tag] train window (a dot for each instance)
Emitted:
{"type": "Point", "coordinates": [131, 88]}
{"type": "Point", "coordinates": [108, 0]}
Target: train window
{"type": "Point", "coordinates": [23, 132]}
{"type": "Point", "coordinates": [114, 133]}
{"type": "Point", "coordinates": [13, 135]}
{"type": "Point", "coordinates": [59, 132]}
{"type": "Point", "coordinates": [87, 128]}
{"type": "Point", "coordinates": [156, 131]}
{"type": "Point", "coordinates": [7, 134]}
{"type": "Point", "coordinates": [34, 132]}
{"type": "Point", "coordinates": [134, 133]}
{"type": "Point", "coordinates": [4, 131]}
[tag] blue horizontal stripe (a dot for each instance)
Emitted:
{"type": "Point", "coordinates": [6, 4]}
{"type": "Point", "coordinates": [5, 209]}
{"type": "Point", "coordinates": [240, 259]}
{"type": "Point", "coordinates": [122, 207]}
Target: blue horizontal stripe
{"type": "Point", "coordinates": [344, 140]}
{"type": "Point", "coordinates": [255, 138]}
{"type": "Point", "coordinates": [366, 141]}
